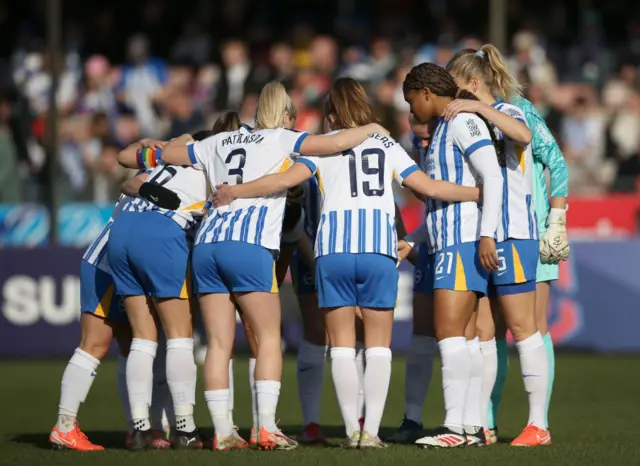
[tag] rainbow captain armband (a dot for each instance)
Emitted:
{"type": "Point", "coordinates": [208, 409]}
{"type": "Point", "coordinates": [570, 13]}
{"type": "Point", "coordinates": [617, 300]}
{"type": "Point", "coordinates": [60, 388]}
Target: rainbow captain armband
{"type": "Point", "coordinates": [147, 157]}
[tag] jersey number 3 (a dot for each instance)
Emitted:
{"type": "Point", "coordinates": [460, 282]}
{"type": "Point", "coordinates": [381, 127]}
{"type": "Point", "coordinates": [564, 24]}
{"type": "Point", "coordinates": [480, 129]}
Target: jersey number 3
{"type": "Point", "coordinates": [241, 155]}
{"type": "Point", "coordinates": [366, 157]}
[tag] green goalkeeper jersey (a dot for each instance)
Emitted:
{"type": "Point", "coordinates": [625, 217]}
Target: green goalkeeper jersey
{"type": "Point", "coordinates": [546, 154]}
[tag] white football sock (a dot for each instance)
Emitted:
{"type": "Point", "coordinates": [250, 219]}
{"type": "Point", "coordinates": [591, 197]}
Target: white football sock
{"type": "Point", "coordinates": [419, 370]}
{"type": "Point", "coordinates": [181, 378]}
{"type": "Point", "coordinates": [347, 382]}
{"type": "Point", "coordinates": [361, 364]}
{"type": "Point", "coordinates": [267, 393]}
{"type": "Point", "coordinates": [456, 372]}
{"type": "Point", "coordinates": [311, 362]}
{"type": "Point", "coordinates": [254, 397]}
{"type": "Point", "coordinates": [123, 394]}
{"type": "Point", "coordinates": [473, 404]}
{"type": "Point", "coordinates": [161, 397]}
{"type": "Point", "coordinates": [74, 388]}
{"type": "Point", "coordinates": [376, 386]}
{"type": "Point", "coordinates": [490, 357]}
{"type": "Point", "coordinates": [231, 394]}
{"type": "Point", "coordinates": [218, 404]}
{"type": "Point", "coordinates": [140, 380]}
{"type": "Point", "coordinates": [535, 372]}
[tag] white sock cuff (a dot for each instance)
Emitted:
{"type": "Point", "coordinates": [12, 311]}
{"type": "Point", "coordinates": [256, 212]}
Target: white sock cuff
{"type": "Point", "coordinates": [360, 350]}
{"type": "Point", "coordinates": [268, 386]}
{"type": "Point", "coordinates": [421, 344]}
{"type": "Point", "coordinates": [343, 353]}
{"type": "Point", "coordinates": [488, 347]}
{"type": "Point", "coordinates": [180, 343]}
{"type": "Point", "coordinates": [216, 395]}
{"type": "Point", "coordinates": [83, 359]}
{"type": "Point", "coordinates": [312, 353]}
{"type": "Point", "coordinates": [144, 346]}
{"type": "Point", "coordinates": [473, 345]}
{"type": "Point", "coordinates": [529, 343]}
{"type": "Point", "coordinates": [252, 364]}
{"type": "Point", "coordinates": [379, 352]}
{"type": "Point", "coordinates": [453, 344]}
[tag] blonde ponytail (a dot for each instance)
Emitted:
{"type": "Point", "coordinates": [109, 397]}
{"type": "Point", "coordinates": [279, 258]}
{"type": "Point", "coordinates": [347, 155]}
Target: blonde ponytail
{"type": "Point", "coordinates": [273, 104]}
{"type": "Point", "coordinates": [488, 65]}
{"type": "Point", "coordinates": [505, 83]}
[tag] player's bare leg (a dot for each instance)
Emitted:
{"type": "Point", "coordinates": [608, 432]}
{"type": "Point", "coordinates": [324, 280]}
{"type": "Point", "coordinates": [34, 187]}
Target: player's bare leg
{"type": "Point", "coordinates": [219, 316]}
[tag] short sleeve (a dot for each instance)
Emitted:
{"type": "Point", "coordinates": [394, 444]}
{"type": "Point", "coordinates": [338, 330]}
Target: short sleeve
{"type": "Point", "coordinates": [201, 151]}
{"type": "Point", "coordinates": [401, 163]}
{"type": "Point", "coordinates": [290, 140]}
{"type": "Point", "coordinates": [513, 112]}
{"type": "Point", "coordinates": [469, 133]}
{"type": "Point", "coordinates": [310, 162]}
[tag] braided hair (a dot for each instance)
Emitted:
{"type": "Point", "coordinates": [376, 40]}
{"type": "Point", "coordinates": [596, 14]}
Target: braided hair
{"type": "Point", "coordinates": [440, 82]}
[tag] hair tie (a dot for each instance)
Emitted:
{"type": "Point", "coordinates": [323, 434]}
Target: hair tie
{"type": "Point", "coordinates": [480, 53]}
{"type": "Point", "coordinates": [457, 93]}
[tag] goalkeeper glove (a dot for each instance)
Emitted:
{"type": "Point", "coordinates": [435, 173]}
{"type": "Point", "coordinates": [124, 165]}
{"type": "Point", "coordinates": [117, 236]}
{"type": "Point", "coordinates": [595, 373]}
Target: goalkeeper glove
{"type": "Point", "coordinates": [554, 244]}
{"type": "Point", "coordinates": [160, 196]}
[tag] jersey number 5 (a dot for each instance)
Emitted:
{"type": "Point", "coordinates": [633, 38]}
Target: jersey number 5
{"type": "Point", "coordinates": [241, 155]}
{"type": "Point", "coordinates": [367, 156]}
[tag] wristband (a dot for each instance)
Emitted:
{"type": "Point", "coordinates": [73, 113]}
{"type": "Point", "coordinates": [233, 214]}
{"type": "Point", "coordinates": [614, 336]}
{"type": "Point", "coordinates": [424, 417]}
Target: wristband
{"type": "Point", "coordinates": [147, 157]}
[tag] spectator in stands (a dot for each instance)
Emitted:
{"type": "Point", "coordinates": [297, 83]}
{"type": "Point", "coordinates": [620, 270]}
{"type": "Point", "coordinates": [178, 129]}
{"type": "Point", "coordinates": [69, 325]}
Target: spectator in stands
{"type": "Point", "coordinates": [142, 81]}
{"type": "Point", "coordinates": [582, 145]}
{"type": "Point", "coordinates": [184, 118]}
{"type": "Point", "coordinates": [236, 76]}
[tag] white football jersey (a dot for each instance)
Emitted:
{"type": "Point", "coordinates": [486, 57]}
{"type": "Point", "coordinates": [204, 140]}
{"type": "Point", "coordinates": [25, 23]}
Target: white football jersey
{"type": "Point", "coordinates": [452, 144]}
{"type": "Point", "coordinates": [189, 183]}
{"type": "Point", "coordinates": [358, 210]}
{"type": "Point", "coordinates": [241, 156]}
{"type": "Point", "coordinates": [518, 219]}
{"type": "Point", "coordinates": [96, 253]}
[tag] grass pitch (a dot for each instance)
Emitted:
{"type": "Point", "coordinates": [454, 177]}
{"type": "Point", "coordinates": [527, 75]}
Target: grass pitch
{"type": "Point", "coordinates": [593, 420]}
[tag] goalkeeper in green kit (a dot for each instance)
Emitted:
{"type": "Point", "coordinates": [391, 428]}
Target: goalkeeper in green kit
{"type": "Point", "coordinates": [554, 244]}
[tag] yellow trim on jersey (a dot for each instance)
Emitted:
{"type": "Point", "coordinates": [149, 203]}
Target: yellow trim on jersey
{"type": "Point", "coordinates": [521, 158]}
{"type": "Point", "coordinates": [460, 283]}
{"type": "Point", "coordinates": [196, 206]}
{"type": "Point", "coordinates": [320, 183]}
{"type": "Point", "coordinates": [185, 292]}
{"type": "Point", "coordinates": [274, 283]}
{"type": "Point", "coordinates": [285, 165]}
{"type": "Point", "coordinates": [102, 310]}
{"type": "Point", "coordinates": [518, 271]}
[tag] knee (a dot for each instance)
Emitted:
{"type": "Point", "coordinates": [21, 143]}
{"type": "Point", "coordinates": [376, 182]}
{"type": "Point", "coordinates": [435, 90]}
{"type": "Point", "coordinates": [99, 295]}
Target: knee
{"type": "Point", "coordinates": [523, 329]}
{"type": "Point", "coordinates": [96, 347]}
{"type": "Point", "coordinates": [485, 329]}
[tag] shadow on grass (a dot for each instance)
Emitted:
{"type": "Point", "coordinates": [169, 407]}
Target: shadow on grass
{"type": "Point", "coordinates": [114, 440]}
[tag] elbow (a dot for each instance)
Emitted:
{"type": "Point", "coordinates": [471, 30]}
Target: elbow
{"type": "Point", "coordinates": [525, 137]}
{"type": "Point", "coordinates": [122, 159]}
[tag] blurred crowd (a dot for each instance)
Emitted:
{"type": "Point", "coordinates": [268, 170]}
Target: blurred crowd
{"type": "Point", "coordinates": [157, 86]}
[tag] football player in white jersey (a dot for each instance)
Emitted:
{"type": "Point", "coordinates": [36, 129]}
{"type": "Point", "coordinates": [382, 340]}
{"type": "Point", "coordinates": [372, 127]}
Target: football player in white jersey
{"type": "Point", "coordinates": [149, 253]}
{"type": "Point", "coordinates": [235, 251]}
{"type": "Point", "coordinates": [461, 235]}
{"type": "Point", "coordinates": [484, 73]}
{"type": "Point", "coordinates": [101, 320]}
{"type": "Point", "coordinates": [356, 248]}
